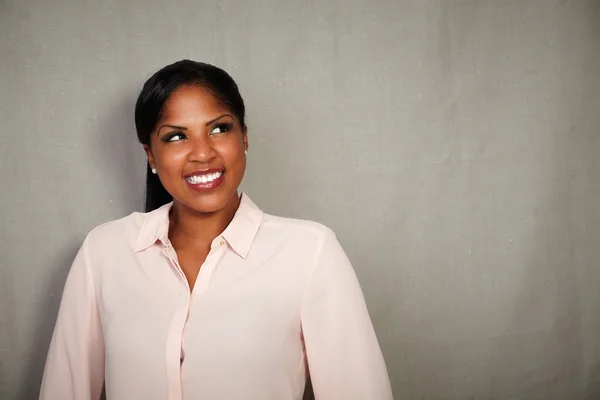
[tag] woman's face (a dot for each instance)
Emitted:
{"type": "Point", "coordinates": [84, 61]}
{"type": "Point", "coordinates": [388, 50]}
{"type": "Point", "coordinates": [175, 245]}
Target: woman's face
{"type": "Point", "coordinates": [198, 148]}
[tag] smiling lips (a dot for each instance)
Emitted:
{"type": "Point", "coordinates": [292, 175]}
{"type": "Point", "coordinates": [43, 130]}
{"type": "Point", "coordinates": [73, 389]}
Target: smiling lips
{"type": "Point", "coordinates": [205, 180]}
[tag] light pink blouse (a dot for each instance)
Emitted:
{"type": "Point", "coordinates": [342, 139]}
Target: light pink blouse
{"type": "Point", "coordinates": [274, 299]}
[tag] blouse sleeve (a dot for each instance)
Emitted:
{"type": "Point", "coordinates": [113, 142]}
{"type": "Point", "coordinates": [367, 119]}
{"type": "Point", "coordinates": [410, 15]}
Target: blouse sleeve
{"type": "Point", "coordinates": [75, 363]}
{"type": "Point", "coordinates": [344, 358]}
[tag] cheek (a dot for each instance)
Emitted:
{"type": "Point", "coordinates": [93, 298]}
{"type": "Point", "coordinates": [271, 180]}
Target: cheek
{"type": "Point", "coordinates": [232, 153]}
{"type": "Point", "coordinates": [171, 159]}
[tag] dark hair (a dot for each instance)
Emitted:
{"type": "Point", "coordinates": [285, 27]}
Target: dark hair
{"type": "Point", "coordinates": [156, 92]}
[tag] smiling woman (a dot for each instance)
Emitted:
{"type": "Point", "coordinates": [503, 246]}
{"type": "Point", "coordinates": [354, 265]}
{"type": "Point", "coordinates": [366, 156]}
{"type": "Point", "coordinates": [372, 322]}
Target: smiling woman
{"type": "Point", "coordinates": [205, 295]}
{"type": "Point", "coordinates": [197, 139]}
{"type": "Point", "coordinates": [191, 111]}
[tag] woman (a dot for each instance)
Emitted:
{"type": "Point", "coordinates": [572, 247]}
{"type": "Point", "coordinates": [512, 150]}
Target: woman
{"type": "Point", "coordinates": [204, 296]}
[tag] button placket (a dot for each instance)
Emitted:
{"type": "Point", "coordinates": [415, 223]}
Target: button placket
{"type": "Point", "coordinates": [170, 254]}
{"type": "Point", "coordinates": [174, 356]}
{"type": "Point", "coordinates": [208, 268]}
{"type": "Point", "coordinates": [174, 345]}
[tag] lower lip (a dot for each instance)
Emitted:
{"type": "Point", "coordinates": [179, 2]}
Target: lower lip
{"type": "Point", "coordinates": [201, 187]}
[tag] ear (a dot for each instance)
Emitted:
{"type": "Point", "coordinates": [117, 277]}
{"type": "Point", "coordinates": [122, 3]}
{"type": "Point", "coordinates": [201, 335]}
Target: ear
{"type": "Point", "coordinates": [149, 156]}
{"type": "Point", "coordinates": [245, 138]}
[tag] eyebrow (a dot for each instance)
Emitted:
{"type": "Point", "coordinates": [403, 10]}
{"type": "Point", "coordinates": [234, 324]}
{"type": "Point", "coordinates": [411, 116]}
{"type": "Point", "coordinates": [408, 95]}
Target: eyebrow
{"type": "Point", "coordinates": [218, 118]}
{"type": "Point", "coordinates": [183, 128]}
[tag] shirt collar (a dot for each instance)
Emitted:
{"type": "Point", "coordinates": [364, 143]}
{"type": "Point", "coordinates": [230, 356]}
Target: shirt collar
{"type": "Point", "coordinates": [239, 234]}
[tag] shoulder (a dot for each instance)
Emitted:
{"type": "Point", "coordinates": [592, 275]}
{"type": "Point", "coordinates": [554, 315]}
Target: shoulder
{"type": "Point", "coordinates": [300, 226]}
{"type": "Point", "coordinates": [300, 232]}
{"type": "Point", "coordinates": [310, 244]}
{"type": "Point", "coordinates": [117, 232]}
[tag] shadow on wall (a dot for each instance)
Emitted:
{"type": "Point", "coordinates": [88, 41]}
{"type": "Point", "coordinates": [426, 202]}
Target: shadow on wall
{"type": "Point", "coordinates": [46, 318]}
{"type": "Point", "coordinates": [118, 155]}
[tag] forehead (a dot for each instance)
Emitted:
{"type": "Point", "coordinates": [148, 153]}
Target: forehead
{"type": "Point", "coordinates": [192, 103]}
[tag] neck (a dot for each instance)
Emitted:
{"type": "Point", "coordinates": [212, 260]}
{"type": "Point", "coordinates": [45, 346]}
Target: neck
{"type": "Point", "coordinates": [192, 227]}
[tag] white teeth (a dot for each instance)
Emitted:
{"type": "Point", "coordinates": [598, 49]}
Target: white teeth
{"type": "Point", "coordinates": [196, 179]}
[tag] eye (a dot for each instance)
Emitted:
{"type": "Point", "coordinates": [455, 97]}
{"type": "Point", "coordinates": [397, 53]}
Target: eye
{"type": "Point", "coordinates": [173, 137]}
{"type": "Point", "coordinates": [221, 128]}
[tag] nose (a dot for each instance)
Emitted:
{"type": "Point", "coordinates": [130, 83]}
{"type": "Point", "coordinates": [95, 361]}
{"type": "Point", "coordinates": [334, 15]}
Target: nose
{"type": "Point", "coordinates": [201, 150]}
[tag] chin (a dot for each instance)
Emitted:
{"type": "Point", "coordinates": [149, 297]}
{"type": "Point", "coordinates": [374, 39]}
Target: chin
{"type": "Point", "coordinates": [208, 203]}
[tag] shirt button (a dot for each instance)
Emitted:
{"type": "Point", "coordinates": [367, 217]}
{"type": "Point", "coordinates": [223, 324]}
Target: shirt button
{"type": "Point", "coordinates": [222, 242]}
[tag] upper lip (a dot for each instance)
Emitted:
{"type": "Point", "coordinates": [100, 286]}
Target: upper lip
{"type": "Point", "coordinates": [204, 172]}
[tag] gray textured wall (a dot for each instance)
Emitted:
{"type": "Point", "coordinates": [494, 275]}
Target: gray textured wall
{"type": "Point", "coordinates": [452, 145]}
